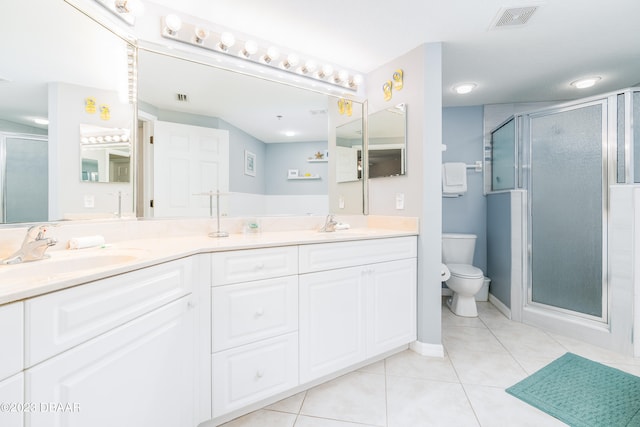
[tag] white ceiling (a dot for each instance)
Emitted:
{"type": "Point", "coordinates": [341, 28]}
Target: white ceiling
{"type": "Point", "coordinates": [563, 41]}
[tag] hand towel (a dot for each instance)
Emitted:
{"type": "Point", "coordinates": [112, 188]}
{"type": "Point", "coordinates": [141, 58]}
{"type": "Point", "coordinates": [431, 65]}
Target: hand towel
{"type": "Point", "coordinates": [454, 178]}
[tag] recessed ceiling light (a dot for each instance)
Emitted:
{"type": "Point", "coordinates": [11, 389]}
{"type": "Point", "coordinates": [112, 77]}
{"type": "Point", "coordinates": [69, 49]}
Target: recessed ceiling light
{"type": "Point", "coordinates": [41, 121]}
{"type": "Point", "coordinates": [586, 82]}
{"type": "Point", "coordinates": [289, 133]}
{"type": "Point", "coordinates": [464, 88]}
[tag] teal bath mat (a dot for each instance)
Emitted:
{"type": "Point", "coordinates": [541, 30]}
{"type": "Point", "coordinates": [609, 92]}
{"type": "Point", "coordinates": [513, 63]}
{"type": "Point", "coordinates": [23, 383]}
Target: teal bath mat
{"type": "Point", "coordinates": [583, 393]}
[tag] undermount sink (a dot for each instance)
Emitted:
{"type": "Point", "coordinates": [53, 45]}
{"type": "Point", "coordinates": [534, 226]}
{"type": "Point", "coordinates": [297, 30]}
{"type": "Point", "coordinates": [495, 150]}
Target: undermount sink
{"type": "Point", "coordinates": [63, 264]}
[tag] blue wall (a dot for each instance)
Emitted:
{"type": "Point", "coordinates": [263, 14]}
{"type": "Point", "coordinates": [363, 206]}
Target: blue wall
{"type": "Point", "coordinates": [284, 156]}
{"type": "Point", "coordinates": [462, 133]}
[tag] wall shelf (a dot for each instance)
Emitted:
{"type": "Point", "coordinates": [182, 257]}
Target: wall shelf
{"type": "Point", "coordinates": [317, 160]}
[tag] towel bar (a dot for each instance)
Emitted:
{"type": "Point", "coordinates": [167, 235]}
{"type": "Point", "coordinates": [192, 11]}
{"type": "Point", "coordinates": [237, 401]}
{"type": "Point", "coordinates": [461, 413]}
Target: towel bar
{"type": "Point", "coordinates": [477, 166]}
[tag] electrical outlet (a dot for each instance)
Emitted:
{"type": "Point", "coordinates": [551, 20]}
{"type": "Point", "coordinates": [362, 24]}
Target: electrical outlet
{"type": "Point", "coordinates": [399, 200]}
{"type": "Point", "coordinates": [89, 201]}
{"type": "Point", "coordinates": [341, 202]}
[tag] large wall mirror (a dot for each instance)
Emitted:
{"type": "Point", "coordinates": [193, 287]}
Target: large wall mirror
{"type": "Point", "coordinates": [60, 69]}
{"type": "Point", "coordinates": [388, 142]}
{"type": "Point", "coordinates": [265, 146]}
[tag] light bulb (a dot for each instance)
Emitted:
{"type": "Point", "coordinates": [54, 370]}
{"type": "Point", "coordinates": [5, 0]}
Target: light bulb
{"type": "Point", "coordinates": [226, 41]}
{"type": "Point", "coordinates": [201, 34]}
{"type": "Point", "coordinates": [356, 80]}
{"type": "Point", "coordinates": [325, 71]}
{"type": "Point", "coordinates": [308, 67]}
{"type": "Point", "coordinates": [250, 47]}
{"type": "Point", "coordinates": [585, 83]}
{"type": "Point", "coordinates": [173, 23]}
{"type": "Point", "coordinates": [343, 76]}
{"type": "Point", "coordinates": [272, 54]}
{"type": "Point", "coordinates": [464, 88]}
{"type": "Point", "coordinates": [291, 61]}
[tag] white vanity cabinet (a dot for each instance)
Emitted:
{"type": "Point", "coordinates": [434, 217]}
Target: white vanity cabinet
{"type": "Point", "coordinates": [11, 364]}
{"type": "Point", "coordinates": [254, 324]}
{"type": "Point", "coordinates": [130, 357]}
{"type": "Point", "coordinates": [357, 300]}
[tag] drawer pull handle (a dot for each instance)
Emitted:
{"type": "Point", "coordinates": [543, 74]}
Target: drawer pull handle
{"type": "Point", "coordinates": [259, 374]}
{"type": "Point", "coordinates": [260, 312]}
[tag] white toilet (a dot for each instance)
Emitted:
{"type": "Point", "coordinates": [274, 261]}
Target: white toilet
{"type": "Point", "coordinates": [466, 280]}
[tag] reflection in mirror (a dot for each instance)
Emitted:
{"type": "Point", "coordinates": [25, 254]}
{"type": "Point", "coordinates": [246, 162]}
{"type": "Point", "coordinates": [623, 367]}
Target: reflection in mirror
{"type": "Point", "coordinates": [387, 142]}
{"type": "Point", "coordinates": [46, 76]}
{"type": "Point", "coordinates": [349, 151]}
{"type": "Point", "coordinates": [207, 121]}
{"type": "Point", "coordinates": [105, 154]}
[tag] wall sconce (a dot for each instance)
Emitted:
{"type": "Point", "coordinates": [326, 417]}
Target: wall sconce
{"type": "Point", "coordinates": [345, 106]}
{"type": "Point", "coordinates": [398, 78]}
{"type": "Point", "coordinates": [197, 35]}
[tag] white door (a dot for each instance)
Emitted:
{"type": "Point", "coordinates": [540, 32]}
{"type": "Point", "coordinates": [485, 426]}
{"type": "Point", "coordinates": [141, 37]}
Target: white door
{"type": "Point", "coordinates": [391, 305]}
{"type": "Point", "coordinates": [332, 325]}
{"type": "Point", "coordinates": [188, 161]}
{"type": "Point", "coordinates": [139, 374]}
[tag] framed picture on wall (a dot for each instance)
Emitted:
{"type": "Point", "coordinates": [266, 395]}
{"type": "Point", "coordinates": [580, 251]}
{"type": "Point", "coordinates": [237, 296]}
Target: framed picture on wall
{"type": "Point", "coordinates": [249, 163]}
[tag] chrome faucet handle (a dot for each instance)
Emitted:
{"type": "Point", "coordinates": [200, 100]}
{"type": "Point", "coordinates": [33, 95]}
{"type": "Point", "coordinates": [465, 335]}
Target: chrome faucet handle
{"type": "Point", "coordinates": [38, 231]}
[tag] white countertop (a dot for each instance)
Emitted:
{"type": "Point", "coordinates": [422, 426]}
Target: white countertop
{"type": "Point", "coordinates": [67, 268]}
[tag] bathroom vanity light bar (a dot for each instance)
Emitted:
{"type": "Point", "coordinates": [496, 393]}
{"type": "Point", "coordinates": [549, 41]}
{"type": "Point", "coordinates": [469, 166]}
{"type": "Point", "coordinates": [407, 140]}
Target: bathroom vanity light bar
{"type": "Point", "coordinates": [225, 42]}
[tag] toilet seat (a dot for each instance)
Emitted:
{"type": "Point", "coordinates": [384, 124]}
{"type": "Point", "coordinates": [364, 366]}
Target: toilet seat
{"type": "Point", "coordinates": [465, 271]}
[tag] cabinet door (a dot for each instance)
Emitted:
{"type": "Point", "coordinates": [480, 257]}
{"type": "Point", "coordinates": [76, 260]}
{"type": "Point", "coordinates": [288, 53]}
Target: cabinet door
{"type": "Point", "coordinates": [331, 321]}
{"type": "Point", "coordinates": [391, 305]}
{"type": "Point", "coordinates": [12, 394]}
{"type": "Point", "coordinates": [139, 374]}
{"type": "Point", "coordinates": [11, 339]}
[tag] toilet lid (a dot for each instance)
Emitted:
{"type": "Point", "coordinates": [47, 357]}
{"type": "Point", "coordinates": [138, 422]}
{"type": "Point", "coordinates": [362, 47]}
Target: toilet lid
{"type": "Point", "coordinates": [465, 271]}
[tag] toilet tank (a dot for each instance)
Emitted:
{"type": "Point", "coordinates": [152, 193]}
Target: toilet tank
{"type": "Point", "coordinates": [458, 248]}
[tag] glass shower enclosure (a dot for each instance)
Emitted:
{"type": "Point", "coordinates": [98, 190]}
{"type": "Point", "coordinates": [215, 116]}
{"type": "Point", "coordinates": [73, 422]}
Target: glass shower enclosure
{"type": "Point", "coordinates": [566, 157]}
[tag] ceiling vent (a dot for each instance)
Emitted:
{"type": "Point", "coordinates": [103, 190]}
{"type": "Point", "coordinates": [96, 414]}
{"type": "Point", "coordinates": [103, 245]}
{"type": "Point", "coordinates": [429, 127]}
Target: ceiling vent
{"type": "Point", "coordinates": [513, 17]}
{"type": "Point", "coordinates": [182, 97]}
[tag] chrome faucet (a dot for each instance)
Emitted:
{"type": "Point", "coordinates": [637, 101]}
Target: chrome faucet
{"type": "Point", "coordinates": [33, 247]}
{"type": "Point", "coordinates": [329, 224]}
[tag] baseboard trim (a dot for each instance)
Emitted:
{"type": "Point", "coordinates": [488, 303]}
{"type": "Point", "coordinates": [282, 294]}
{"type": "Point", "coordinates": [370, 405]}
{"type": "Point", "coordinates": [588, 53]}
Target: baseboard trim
{"type": "Point", "coordinates": [502, 308]}
{"type": "Point", "coordinates": [424, 349]}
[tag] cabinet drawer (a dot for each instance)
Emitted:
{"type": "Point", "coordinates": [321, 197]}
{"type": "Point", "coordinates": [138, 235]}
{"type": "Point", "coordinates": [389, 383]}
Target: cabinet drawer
{"type": "Point", "coordinates": [254, 264]}
{"type": "Point", "coordinates": [61, 320]}
{"type": "Point", "coordinates": [248, 312]}
{"type": "Point", "coordinates": [11, 337]}
{"type": "Point", "coordinates": [254, 372]}
{"type": "Point", "coordinates": [328, 256]}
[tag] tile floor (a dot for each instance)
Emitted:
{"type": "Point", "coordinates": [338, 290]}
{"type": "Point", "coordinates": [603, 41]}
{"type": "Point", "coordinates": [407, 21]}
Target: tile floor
{"type": "Point", "coordinates": [484, 356]}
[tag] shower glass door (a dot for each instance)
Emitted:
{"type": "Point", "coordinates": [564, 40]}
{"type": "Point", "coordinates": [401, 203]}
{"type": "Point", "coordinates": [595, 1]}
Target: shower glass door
{"type": "Point", "coordinates": [567, 201]}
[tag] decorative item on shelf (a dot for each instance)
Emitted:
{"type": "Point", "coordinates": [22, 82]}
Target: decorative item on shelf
{"type": "Point", "coordinates": [307, 175]}
{"type": "Point", "coordinates": [386, 90]}
{"type": "Point", "coordinates": [398, 79]}
{"type": "Point", "coordinates": [293, 173]}
{"type": "Point", "coordinates": [249, 163]}
{"type": "Point", "coordinates": [319, 155]}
